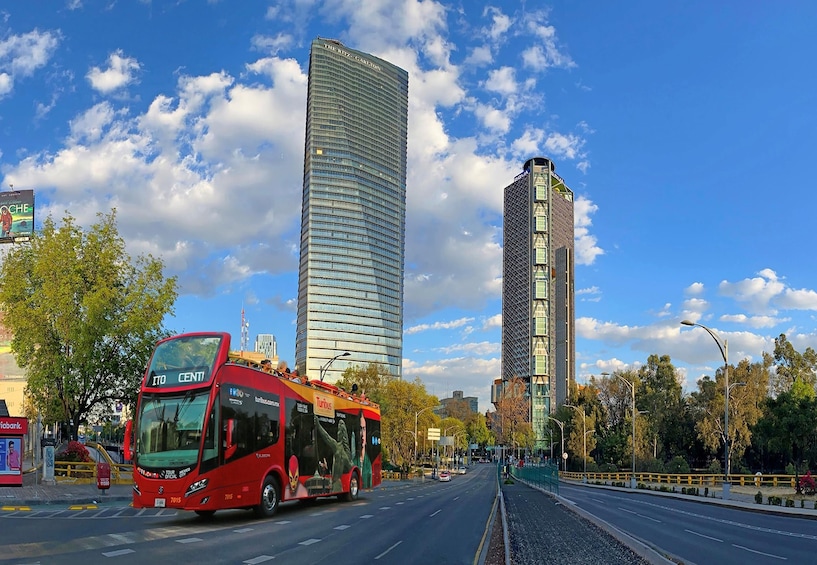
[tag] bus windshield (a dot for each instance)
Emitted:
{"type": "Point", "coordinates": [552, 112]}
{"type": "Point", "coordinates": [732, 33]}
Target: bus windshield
{"type": "Point", "coordinates": [183, 361]}
{"type": "Point", "coordinates": [170, 429]}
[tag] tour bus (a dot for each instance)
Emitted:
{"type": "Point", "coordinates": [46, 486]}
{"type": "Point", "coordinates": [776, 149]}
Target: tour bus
{"type": "Point", "coordinates": [215, 430]}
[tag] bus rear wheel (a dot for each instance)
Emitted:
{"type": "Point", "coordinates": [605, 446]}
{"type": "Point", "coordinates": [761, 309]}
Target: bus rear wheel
{"type": "Point", "coordinates": [270, 497]}
{"type": "Point", "coordinates": [354, 489]}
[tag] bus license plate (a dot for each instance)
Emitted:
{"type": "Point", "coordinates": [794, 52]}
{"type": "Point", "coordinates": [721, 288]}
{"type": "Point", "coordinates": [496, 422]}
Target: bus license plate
{"type": "Point", "coordinates": [159, 503]}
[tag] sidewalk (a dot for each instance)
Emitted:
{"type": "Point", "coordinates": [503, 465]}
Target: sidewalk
{"type": "Point", "coordinates": [533, 521]}
{"type": "Point", "coordinates": [32, 494]}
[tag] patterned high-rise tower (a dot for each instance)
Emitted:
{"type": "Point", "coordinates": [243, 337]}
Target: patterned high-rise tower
{"type": "Point", "coordinates": [538, 320]}
{"type": "Point", "coordinates": [350, 285]}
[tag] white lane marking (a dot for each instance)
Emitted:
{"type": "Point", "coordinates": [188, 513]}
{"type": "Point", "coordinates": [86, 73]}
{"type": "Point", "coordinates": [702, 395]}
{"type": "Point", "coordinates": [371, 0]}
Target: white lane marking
{"type": "Point", "coordinates": [282, 522]}
{"type": "Point", "coordinates": [399, 503]}
{"type": "Point", "coordinates": [704, 536]}
{"type": "Point", "coordinates": [243, 530]}
{"type": "Point", "coordinates": [597, 500]}
{"type": "Point", "coordinates": [761, 553]}
{"type": "Point", "coordinates": [189, 540]}
{"type": "Point", "coordinates": [367, 516]}
{"type": "Point", "coordinates": [716, 520]}
{"type": "Point", "coordinates": [388, 550]}
{"type": "Point", "coordinates": [640, 515]}
{"type": "Point", "coordinates": [437, 512]}
{"type": "Point", "coordinates": [118, 552]}
{"type": "Point", "coordinates": [259, 559]}
{"type": "Point", "coordinates": [309, 541]}
{"type": "Point", "coordinates": [385, 508]}
{"type": "Point", "coordinates": [342, 527]}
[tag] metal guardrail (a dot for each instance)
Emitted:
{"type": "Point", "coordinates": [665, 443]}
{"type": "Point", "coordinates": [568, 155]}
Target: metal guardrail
{"type": "Point", "coordinates": [689, 479]}
{"type": "Point", "coordinates": [85, 473]}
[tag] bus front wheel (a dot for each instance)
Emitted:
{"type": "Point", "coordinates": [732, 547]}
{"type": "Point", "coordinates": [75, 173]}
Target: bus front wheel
{"type": "Point", "coordinates": [270, 497]}
{"type": "Point", "coordinates": [354, 489]}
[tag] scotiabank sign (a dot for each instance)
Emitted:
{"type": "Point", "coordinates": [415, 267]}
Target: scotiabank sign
{"type": "Point", "coordinates": [13, 426]}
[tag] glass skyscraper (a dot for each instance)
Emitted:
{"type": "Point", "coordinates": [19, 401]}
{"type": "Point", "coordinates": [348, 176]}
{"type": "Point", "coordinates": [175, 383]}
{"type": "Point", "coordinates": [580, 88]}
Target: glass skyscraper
{"type": "Point", "coordinates": [350, 282]}
{"type": "Point", "coordinates": [538, 320]}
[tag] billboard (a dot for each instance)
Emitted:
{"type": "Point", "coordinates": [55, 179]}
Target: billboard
{"type": "Point", "coordinates": [16, 215]}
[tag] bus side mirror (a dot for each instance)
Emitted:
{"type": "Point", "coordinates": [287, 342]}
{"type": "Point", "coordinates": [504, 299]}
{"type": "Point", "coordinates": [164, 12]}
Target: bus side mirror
{"type": "Point", "coordinates": [128, 447]}
{"type": "Point", "coordinates": [230, 446]}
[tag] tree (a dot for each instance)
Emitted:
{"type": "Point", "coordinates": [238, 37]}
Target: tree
{"type": "Point", "coordinates": [512, 410]}
{"type": "Point", "coordinates": [371, 379]}
{"type": "Point", "coordinates": [660, 393]}
{"type": "Point", "coordinates": [792, 365]}
{"type": "Point", "coordinates": [745, 406]}
{"type": "Point", "coordinates": [400, 401]}
{"type": "Point", "coordinates": [84, 315]}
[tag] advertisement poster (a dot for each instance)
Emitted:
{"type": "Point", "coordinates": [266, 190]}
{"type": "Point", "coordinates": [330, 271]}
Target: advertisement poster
{"type": "Point", "coordinates": [10, 456]}
{"type": "Point", "coordinates": [16, 215]}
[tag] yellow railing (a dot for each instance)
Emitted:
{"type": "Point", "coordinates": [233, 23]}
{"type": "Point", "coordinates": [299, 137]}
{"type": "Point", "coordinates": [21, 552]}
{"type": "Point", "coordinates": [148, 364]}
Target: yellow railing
{"type": "Point", "coordinates": [689, 479]}
{"type": "Point", "coordinates": [85, 473]}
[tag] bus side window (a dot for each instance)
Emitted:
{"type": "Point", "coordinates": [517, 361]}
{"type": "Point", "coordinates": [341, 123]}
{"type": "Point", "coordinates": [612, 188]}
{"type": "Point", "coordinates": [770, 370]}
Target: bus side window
{"type": "Point", "coordinates": [230, 445]}
{"type": "Point", "coordinates": [209, 458]}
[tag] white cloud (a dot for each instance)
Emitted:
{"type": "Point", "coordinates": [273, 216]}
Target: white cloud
{"type": "Point", "coordinates": [500, 23]}
{"type": "Point", "coordinates": [494, 321]}
{"type": "Point", "coordinates": [22, 55]}
{"type": "Point", "coordinates": [502, 81]}
{"type": "Point", "coordinates": [121, 72]}
{"type": "Point", "coordinates": [754, 321]}
{"type": "Point", "coordinates": [272, 44]}
{"type": "Point", "coordinates": [695, 289]}
{"type": "Point", "coordinates": [585, 247]}
{"type": "Point", "coordinates": [439, 325]}
{"type": "Point", "coordinates": [564, 146]}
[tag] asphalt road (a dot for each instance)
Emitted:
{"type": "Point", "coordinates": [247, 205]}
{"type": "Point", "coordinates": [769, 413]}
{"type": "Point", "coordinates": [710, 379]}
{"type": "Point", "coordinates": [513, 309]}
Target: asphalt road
{"type": "Point", "coordinates": [701, 533]}
{"type": "Point", "coordinates": [400, 523]}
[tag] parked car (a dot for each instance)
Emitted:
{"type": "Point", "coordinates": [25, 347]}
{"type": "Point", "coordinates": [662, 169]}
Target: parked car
{"type": "Point", "coordinates": [445, 476]}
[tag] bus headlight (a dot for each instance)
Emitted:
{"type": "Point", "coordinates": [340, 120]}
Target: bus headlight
{"type": "Point", "coordinates": [197, 486]}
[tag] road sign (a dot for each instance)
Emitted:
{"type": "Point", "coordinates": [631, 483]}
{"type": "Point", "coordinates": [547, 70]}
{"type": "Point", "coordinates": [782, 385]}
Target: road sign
{"type": "Point", "coordinates": [433, 434]}
{"type": "Point", "coordinates": [564, 455]}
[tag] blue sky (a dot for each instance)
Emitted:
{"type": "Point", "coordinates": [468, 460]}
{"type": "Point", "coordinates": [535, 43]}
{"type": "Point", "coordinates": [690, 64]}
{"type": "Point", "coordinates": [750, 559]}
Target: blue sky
{"type": "Point", "coordinates": [684, 129]}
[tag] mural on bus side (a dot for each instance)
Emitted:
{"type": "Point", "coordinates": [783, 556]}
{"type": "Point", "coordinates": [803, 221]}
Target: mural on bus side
{"type": "Point", "coordinates": [321, 449]}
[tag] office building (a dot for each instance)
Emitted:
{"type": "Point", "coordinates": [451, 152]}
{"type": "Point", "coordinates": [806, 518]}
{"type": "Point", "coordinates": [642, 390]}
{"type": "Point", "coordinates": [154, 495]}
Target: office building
{"type": "Point", "coordinates": [455, 404]}
{"type": "Point", "coordinates": [538, 321]}
{"type": "Point", "coordinates": [350, 284]}
{"type": "Point", "coordinates": [266, 344]}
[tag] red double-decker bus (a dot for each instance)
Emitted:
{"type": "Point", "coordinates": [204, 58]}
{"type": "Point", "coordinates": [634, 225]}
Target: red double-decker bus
{"type": "Point", "coordinates": [215, 430]}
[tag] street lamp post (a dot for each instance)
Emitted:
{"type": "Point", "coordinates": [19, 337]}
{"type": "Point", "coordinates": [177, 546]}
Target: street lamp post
{"type": "Point", "coordinates": [562, 429]}
{"type": "Point", "coordinates": [326, 366]}
{"type": "Point", "coordinates": [723, 347]}
{"type": "Point", "coordinates": [416, 416]}
{"type": "Point", "coordinates": [633, 483]}
{"type": "Point", "coordinates": [584, 437]}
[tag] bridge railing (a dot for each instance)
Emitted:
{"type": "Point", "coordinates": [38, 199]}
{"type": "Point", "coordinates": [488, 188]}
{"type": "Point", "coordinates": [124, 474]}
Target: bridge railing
{"type": "Point", "coordinates": [689, 479]}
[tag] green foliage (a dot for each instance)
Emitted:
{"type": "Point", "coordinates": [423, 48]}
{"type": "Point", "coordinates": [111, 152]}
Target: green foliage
{"type": "Point", "coordinates": [678, 465]}
{"type": "Point", "coordinates": [793, 366]}
{"type": "Point", "coordinates": [715, 467]}
{"type": "Point", "coordinates": [790, 469]}
{"type": "Point", "coordinates": [607, 468]}
{"type": "Point", "coordinates": [652, 465]}
{"type": "Point", "coordinates": [371, 379]}
{"type": "Point", "coordinates": [84, 315]}
{"type": "Point", "coordinates": [759, 497]}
